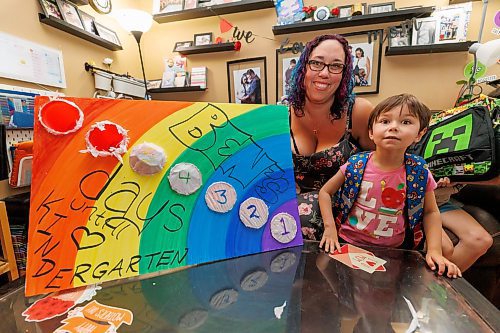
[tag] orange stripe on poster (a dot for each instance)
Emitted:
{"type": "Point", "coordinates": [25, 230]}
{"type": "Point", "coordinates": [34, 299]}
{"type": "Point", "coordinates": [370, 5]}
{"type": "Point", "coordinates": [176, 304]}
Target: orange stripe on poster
{"type": "Point", "coordinates": [49, 212]}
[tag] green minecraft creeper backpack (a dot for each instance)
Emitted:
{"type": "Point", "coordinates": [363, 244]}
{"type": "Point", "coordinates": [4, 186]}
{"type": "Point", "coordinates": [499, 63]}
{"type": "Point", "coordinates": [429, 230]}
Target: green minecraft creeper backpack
{"type": "Point", "coordinates": [463, 143]}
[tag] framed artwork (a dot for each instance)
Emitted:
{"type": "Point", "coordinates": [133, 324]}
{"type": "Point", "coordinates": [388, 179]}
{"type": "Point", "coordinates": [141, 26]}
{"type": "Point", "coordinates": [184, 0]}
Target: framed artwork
{"type": "Point", "coordinates": [381, 8]}
{"type": "Point", "coordinates": [190, 4]}
{"type": "Point", "coordinates": [50, 9]}
{"type": "Point", "coordinates": [247, 81]}
{"type": "Point", "coordinates": [88, 22]}
{"type": "Point", "coordinates": [154, 84]}
{"type": "Point", "coordinates": [424, 31]}
{"type": "Point", "coordinates": [289, 11]}
{"type": "Point", "coordinates": [70, 13]}
{"type": "Point", "coordinates": [452, 23]}
{"type": "Point", "coordinates": [359, 9]}
{"type": "Point", "coordinates": [345, 11]}
{"type": "Point", "coordinates": [182, 44]}
{"type": "Point", "coordinates": [107, 34]}
{"type": "Point", "coordinates": [285, 63]}
{"type": "Point", "coordinates": [366, 60]}
{"type": "Point", "coordinates": [399, 37]}
{"type": "Point", "coordinates": [203, 39]}
{"type": "Point", "coordinates": [167, 6]}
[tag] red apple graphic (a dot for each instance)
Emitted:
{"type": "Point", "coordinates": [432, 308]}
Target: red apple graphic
{"type": "Point", "coordinates": [393, 198]}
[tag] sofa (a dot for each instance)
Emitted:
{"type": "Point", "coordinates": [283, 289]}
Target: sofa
{"type": "Point", "coordinates": [483, 203]}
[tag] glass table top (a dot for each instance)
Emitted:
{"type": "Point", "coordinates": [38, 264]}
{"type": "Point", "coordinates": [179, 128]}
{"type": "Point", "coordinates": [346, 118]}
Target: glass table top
{"type": "Point", "coordinates": [292, 290]}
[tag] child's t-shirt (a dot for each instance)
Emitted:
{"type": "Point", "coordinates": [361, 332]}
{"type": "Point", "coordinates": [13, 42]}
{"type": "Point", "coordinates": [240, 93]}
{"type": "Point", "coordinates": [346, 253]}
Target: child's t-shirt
{"type": "Point", "coordinates": [376, 217]}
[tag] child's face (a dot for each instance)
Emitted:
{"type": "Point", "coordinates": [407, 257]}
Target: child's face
{"type": "Point", "coordinates": [396, 129]}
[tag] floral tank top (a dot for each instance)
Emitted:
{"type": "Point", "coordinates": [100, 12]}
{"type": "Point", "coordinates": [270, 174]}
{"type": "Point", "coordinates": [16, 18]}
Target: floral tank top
{"type": "Point", "coordinates": [313, 171]}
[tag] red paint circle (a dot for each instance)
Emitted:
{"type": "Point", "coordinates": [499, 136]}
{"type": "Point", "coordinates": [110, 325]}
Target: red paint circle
{"type": "Point", "coordinates": [60, 116]}
{"type": "Point", "coordinates": [104, 140]}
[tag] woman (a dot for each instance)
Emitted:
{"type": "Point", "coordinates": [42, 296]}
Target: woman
{"type": "Point", "coordinates": [242, 92]}
{"type": "Point", "coordinates": [362, 62]}
{"type": "Point", "coordinates": [327, 123]}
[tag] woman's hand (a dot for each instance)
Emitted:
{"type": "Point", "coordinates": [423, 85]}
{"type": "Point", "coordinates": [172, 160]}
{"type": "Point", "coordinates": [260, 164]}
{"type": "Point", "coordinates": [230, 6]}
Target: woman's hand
{"type": "Point", "coordinates": [444, 182]}
{"type": "Point", "coordinates": [435, 259]}
{"type": "Point", "coordinates": [330, 239]}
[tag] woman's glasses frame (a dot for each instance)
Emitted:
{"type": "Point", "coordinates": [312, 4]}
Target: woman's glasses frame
{"type": "Point", "coordinates": [318, 66]}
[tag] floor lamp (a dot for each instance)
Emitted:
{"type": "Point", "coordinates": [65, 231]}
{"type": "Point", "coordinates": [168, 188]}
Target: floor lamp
{"type": "Point", "coordinates": [137, 22]}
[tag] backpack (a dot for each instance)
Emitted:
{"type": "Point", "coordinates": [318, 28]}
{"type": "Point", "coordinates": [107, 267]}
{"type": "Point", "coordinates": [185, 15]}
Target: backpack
{"type": "Point", "coordinates": [463, 143]}
{"type": "Point", "coordinates": [416, 182]}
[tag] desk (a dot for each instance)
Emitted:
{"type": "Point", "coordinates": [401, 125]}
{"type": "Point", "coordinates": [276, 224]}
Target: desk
{"type": "Point", "coordinates": [321, 294]}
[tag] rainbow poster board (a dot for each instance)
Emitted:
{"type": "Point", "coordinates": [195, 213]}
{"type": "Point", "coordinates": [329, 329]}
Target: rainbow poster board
{"type": "Point", "coordinates": [122, 188]}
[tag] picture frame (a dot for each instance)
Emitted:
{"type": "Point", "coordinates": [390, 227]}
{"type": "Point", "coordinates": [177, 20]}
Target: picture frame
{"type": "Point", "coordinates": [202, 39]}
{"type": "Point", "coordinates": [50, 9]}
{"type": "Point", "coordinates": [242, 89]}
{"type": "Point", "coordinates": [179, 45]}
{"type": "Point", "coordinates": [289, 11]}
{"type": "Point", "coordinates": [367, 58]}
{"type": "Point", "coordinates": [286, 60]}
{"type": "Point", "coordinates": [88, 22]}
{"type": "Point", "coordinates": [107, 34]}
{"type": "Point", "coordinates": [399, 37]}
{"type": "Point", "coordinates": [424, 31]}
{"type": "Point", "coordinates": [70, 14]}
{"type": "Point", "coordinates": [345, 11]}
{"type": "Point", "coordinates": [452, 23]}
{"type": "Point", "coordinates": [384, 7]}
{"type": "Point", "coordinates": [190, 4]}
{"type": "Point", "coordinates": [167, 6]}
{"type": "Point", "coordinates": [154, 84]}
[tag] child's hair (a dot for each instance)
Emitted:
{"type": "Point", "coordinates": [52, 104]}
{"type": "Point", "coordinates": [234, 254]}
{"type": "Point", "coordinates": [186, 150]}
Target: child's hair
{"type": "Point", "coordinates": [415, 107]}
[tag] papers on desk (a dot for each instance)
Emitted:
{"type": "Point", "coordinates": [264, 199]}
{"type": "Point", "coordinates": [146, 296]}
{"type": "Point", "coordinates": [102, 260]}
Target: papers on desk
{"type": "Point", "coordinates": [359, 258]}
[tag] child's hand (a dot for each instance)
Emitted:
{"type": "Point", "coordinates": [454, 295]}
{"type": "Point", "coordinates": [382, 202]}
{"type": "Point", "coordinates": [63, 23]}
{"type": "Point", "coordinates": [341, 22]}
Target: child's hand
{"type": "Point", "coordinates": [330, 239]}
{"type": "Point", "coordinates": [433, 259]}
{"type": "Point", "coordinates": [444, 182]}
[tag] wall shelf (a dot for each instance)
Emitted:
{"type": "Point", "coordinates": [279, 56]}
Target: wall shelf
{"type": "Point", "coordinates": [175, 90]}
{"type": "Point", "coordinates": [65, 26]}
{"type": "Point", "coordinates": [334, 23]}
{"type": "Point", "coordinates": [227, 8]}
{"type": "Point", "coordinates": [222, 47]}
{"type": "Point", "coordinates": [433, 48]}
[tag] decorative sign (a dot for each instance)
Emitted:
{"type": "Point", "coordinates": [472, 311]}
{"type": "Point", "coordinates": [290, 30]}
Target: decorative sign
{"type": "Point", "coordinates": [480, 70]}
{"type": "Point", "coordinates": [226, 190]}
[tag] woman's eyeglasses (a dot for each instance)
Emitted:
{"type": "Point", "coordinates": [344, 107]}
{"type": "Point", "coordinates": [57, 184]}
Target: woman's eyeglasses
{"type": "Point", "coordinates": [318, 66]}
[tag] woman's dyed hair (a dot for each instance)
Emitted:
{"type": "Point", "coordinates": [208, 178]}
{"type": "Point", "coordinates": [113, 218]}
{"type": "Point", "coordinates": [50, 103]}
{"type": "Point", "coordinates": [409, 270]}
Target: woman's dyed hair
{"type": "Point", "coordinates": [343, 95]}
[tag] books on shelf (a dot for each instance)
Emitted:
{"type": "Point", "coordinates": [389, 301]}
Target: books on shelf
{"type": "Point", "coordinates": [199, 76]}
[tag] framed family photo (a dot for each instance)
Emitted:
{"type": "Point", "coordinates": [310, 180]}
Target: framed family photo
{"type": "Point", "coordinates": [179, 45]}
{"type": "Point", "coordinates": [424, 31]}
{"type": "Point", "coordinates": [381, 8]}
{"type": "Point", "coordinates": [70, 13]}
{"type": "Point", "coordinates": [399, 37]}
{"type": "Point", "coordinates": [88, 22]}
{"type": "Point", "coordinates": [50, 9]}
{"type": "Point", "coordinates": [107, 34]}
{"type": "Point", "coordinates": [345, 11]}
{"type": "Point", "coordinates": [366, 59]}
{"type": "Point", "coordinates": [167, 6]}
{"type": "Point", "coordinates": [286, 61]}
{"type": "Point", "coordinates": [203, 39]}
{"type": "Point", "coordinates": [247, 81]}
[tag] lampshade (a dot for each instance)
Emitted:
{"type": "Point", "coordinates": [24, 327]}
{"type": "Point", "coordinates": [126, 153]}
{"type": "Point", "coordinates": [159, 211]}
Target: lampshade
{"type": "Point", "coordinates": [488, 53]}
{"type": "Point", "coordinates": [133, 19]}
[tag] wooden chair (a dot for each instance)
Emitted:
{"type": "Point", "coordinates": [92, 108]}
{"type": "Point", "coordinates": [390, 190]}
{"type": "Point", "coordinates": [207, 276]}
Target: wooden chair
{"type": "Point", "coordinates": [8, 263]}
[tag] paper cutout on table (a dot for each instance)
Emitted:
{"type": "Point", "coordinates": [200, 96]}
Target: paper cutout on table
{"type": "Point", "coordinates": [278, 311]}
{"type": "Point", "coordinates": [359, 258]}
{"type": "Point", "coordinates": [59, 303]}
{"type": "Point", "coordinates": [96, 318]}
{"type": "Point", "coordinates": [94, 219]}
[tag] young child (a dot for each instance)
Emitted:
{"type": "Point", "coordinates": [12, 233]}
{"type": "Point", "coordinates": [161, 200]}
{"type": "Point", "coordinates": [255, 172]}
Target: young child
{"type": "Point", "coordinates": [381, 188]}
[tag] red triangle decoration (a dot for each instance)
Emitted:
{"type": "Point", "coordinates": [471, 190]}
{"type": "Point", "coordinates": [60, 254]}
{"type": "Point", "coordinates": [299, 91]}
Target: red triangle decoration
{"type": "Point", "coordinates": [224, 25]}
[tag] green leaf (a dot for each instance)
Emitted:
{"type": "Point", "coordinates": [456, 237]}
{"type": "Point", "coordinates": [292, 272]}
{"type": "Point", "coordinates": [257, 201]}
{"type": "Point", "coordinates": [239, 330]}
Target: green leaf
{"type": "Point", "coordinates": [461, 82]}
